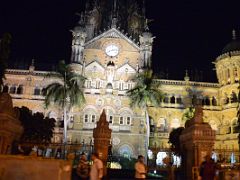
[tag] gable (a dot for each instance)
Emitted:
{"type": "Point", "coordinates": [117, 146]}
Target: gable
{"type": "Point", "coordinates": [113, 33]}
{"type": "Point", "coordinates": [95, 66]}
{"type": "Point", "coordinates": [126, 67]}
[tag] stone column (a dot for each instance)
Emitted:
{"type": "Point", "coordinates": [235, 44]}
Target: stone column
{"type": "Point", "coordinates": [197, 140]}
{"type": "Point", "coordinates": [102, 135]}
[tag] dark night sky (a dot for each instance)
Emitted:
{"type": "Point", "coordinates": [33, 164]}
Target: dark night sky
{"type": "Point", "coordinates": [190, 34]}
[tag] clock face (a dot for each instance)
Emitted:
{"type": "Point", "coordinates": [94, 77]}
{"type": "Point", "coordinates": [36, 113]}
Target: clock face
{"type": "Point", "coordinates": [112, 50]}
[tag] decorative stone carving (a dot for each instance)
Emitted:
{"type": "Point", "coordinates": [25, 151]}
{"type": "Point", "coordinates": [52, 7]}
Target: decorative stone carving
{"type": "Point", "coordinates": [197, 140]}
{"type": "Point", "coordinates": [10, 126]}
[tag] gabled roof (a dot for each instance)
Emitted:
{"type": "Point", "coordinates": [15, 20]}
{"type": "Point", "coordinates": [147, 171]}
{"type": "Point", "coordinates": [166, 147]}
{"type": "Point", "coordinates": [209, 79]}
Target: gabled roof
{"type": "Point", "coordinates": [128, 66]}
{"type": "Point", "coordinates": [113, 33]}
{"type": "Point", "coordinates": [95, 63]}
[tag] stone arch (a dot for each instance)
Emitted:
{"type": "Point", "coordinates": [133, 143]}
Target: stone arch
{"type": "Point", "coordinates": [125, 150]}
{"type": "Point", "coordinates": [90, 107]}
{"type": "Point", "coordinates": [90, 114]}
{"type": "Point", "coordinates": [125, 109]}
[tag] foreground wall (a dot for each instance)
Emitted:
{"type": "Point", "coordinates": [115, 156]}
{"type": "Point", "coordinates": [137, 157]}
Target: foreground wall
{"type": "Point", "coordinates": [25, 168]}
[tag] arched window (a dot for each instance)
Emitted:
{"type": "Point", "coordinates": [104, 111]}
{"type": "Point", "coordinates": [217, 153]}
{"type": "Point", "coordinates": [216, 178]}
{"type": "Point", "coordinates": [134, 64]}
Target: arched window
{"type": "Point", "coordinates": [89, 117]}
{"type": "Point", "coordinates": [207, 101]}
{"type": "Point", "coordinates": [13, 89]}
{"type": "Point", "coordinates": [125, 151]}
{"type": "Point", "coordinates": [37, 91]}
{"type": "Point", "coordinates": [20, 89]}
{"type": "Point", "coordinates": [172, 100]}
{"type": "Point", "coordinates": [165, 100]}
{"type": "Point", "coordinates": [233, 97]}
{"type": "Point", "coordinates": [179, 100]}
{"type": "Point", "coordinates": [214, 101]}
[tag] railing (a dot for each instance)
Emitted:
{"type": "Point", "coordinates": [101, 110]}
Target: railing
{"type": "Point", "coordinates": [184, 83]}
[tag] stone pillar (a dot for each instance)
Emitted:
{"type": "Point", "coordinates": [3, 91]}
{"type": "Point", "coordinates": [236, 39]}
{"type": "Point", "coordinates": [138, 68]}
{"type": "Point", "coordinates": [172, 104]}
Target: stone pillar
{"type": "Point", "coordinates": [102, 135]}
{"type": "Point", "coordinates": [10, 126]}
{"type": "Point", "coordinates": [197, 140]}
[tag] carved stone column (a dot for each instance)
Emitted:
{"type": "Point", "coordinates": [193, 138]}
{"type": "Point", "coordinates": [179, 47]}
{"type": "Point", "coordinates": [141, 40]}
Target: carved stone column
{"type": "Point", "coordinates": [102, 135]}
{"type": "Point", "coordinates": [197, 140]}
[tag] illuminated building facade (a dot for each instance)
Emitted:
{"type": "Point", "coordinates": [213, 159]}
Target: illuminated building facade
{"type": "Point", "coordinates": [111, 44]}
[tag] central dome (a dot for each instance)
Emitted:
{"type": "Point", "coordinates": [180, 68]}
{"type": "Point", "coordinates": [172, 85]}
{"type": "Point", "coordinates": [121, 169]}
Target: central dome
{"type": "Point", "coordinates": [234, 45]}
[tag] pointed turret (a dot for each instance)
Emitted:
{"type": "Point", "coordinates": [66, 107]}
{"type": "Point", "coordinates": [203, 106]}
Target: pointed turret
{"type": "Point", "coordinates": [146, 42]}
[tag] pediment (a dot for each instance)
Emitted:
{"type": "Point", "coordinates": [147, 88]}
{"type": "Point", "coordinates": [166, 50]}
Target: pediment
{"type": "Point", "coordinates": [111, 33]}
{"type": "Point", "coordinates": [126, 68]}
{"type": "Point", "coordinates": [95, 66]}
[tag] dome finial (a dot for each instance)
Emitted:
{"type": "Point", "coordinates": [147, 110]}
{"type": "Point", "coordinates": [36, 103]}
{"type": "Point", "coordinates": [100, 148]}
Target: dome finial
{"type": "Point", "coordinates": [233, 34]}
{"type": "Point", "coordinates": [186, 78]}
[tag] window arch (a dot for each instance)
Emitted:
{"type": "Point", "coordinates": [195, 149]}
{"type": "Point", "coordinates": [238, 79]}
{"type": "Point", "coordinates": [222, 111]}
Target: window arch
{"type": "Point", "coordinates": [172, 100]}
{"type": "Point", "coordinates": [37, 91]}
{"type": "Point", "coordinates": [89, 116]}
{"type": "Point", "coordinates": [12, 89]}
{"type": "Point", "coordinates": [179, 100]}
{"type": "Point", "coordinates": [125, 151]}
{"type": "Point", "coordinates": [20, 89]}
{"type": "Point", "coordinates": [214, 101]}
{"type": "Point", "coordinates": [233, 97]}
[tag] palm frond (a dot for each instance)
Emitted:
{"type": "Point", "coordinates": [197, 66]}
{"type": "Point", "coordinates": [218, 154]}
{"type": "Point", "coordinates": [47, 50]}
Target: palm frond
{"type": "Point", "coordinates": [146, 91]}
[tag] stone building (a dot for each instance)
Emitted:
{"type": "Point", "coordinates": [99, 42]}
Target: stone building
{"type": "Point", "coordinates": [109, 51]}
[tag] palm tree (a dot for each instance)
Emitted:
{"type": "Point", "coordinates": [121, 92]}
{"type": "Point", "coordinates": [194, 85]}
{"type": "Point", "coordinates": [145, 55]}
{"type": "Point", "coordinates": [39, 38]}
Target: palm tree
{"type": "Point", "coordinates": [4, 55]}
{"type": "Point", "coordinates": [65, 93]}
{"type": "Point", "coordinates": [145, 93]}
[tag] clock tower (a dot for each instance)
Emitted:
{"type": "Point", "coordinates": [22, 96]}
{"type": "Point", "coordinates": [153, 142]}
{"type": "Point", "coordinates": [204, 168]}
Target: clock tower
{"type": "Point", "coordinates": [109, 52]}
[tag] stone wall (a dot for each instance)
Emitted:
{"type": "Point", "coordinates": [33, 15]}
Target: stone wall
{"type": "Point", "coordinates": [25, 168]}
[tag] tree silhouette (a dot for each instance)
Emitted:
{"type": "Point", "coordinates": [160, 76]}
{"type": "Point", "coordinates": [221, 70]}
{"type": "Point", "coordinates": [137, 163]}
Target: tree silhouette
{"type": "Point", "coordinates": [37, 128]}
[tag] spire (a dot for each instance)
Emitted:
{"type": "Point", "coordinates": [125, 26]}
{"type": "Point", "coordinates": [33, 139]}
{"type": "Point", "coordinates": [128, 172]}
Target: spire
{"type": "Point", "coordinates": [144, 9]}
{"type": "Point", "coordinates": [114, 14]}
{"type": "Point", "coordinates": [233, 34]}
